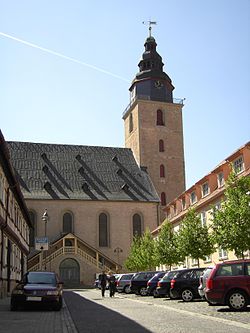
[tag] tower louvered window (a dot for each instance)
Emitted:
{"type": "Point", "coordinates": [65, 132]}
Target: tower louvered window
{"type": "Point", "coordinates": [163, 199]}
{"type": "Point", "coordinates": [159, 119]}
{"type": "Point", "coordinates": [162, 171]}
{"type": "Point", "coordinates": [161, 146]}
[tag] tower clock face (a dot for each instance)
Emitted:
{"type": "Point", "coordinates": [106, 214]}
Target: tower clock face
{"type": "Point", "coordinates": [158, 84]}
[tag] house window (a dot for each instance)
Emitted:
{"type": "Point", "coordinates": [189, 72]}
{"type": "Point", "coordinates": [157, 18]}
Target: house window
{"type": "Point", "coordinates": [137, 225]}
{"type": "Point", "coordinates": [194, 262]}
{"type": "Point", "coordinates": [67, 223]}
{"type": "Point", "coordinates": [205, 189]}
{"type": "Point", "coordinates": [131, 124]}
{"type": "Point", "coordinates": [175, 210]}
{"type": "Point", "coordinates": [208, 259]}
{"type": "Point", "coordinates": [183, 203]}
{"type": "Point", "coordinates": [159, 120]}
{"type": "Point", "coordinates": [217, 206]}
{"type": "Point", "coordinates": [222, 254]}
{"type": "Point", "coordinates": [162, 171]}
{"type": "Point", "coordinates": [203, 219]}
{"type": "Point", "coordinates": [193, 198]}
{"type": "Point", "coordinates": [238, 165]}
{"type": "Point", "coordinates": [161, 146]}
{"type": "Point", "coordinates": [163, 199]}
{"type": "Point", "coordinates": [2, 188]}
{"type": "Point", "coordinates": [220, 179]}
{"type": "Point", "coordinates": [103, 230]}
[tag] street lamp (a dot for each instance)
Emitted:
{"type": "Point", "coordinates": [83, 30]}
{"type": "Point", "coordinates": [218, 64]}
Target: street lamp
{"type": "Point", "coordinates": [118, 250]}
{"type": "Point", "coordinates": [45, 218]}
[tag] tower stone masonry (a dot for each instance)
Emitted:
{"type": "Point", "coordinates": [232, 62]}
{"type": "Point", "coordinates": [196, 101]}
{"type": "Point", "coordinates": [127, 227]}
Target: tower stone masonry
{"type": "Point", "coordinates": [153, 125]}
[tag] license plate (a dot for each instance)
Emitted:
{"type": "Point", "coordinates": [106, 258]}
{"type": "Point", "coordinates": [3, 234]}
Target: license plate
{"type": "Point", "coordinates": [34, 298]}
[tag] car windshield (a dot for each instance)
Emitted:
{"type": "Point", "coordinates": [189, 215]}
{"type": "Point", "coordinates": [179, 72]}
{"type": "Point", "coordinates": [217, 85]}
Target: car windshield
{"type": "Point", "coordinates": [169, 276]}
{"type": "Point", "coordinates": [40, 278]}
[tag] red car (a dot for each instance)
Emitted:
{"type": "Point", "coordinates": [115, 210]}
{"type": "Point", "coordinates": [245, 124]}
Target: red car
{"type": "Point", "coordinates": [229, 284]}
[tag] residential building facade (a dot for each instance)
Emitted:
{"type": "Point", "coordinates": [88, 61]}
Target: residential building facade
{"type": "Point", "coordinates": [205, 194]}
{"type": "Point", "coordinates": [14, 225]}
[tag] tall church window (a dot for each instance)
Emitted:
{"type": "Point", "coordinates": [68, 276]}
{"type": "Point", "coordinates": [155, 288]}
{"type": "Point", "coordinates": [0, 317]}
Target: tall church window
{"type": "Point", "coordinates": [162, 171]}
{"type": "Point", "coordinates": [33, 229]}
{"type": "Point", "coordinates": [159, 118]}
{"type": "Point", "coordinates": [131, 125]}
{"type": "Point", "coordinates": [161, 146]}
{"type": "Point", "coordinates": [137, 225]}
{"type": "Point", "coordinates": [103, 230]}
{"type": "Point", "coordinates": [163, 199]}
{"type": "Point", "coordinates": [67, 223]}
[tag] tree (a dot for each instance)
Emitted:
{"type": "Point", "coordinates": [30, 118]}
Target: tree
{"type": "Point", "coordinates": [193, 238]}
{"type": "Point", "coordinates": [132, 263]}
{"type": "Point", "coordinates": [166, 248]}
{"type": "Point", "coordinates": [231, 223]}
{"type": "Point", "coordinates": [141, 256]}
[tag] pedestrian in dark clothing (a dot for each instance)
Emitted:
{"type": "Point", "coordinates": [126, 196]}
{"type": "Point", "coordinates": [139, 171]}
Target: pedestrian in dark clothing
{"type": "Point", "coordinates": [112, 284]}
{"type": "Point", "coordinates": [103, 282]}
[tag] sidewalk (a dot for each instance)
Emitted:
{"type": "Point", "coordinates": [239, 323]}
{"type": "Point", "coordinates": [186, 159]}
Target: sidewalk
{"type": "Point", "coordinates": [35, 321]}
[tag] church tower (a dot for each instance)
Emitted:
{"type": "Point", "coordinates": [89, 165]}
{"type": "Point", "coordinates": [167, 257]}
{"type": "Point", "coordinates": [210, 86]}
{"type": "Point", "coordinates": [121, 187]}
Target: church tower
{"type": "Point", "coordinates": [153, 125]}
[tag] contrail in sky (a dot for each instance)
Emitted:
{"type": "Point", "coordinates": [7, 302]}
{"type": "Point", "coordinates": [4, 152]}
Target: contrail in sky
{"type": "Point", "coordinates": [62, 56]}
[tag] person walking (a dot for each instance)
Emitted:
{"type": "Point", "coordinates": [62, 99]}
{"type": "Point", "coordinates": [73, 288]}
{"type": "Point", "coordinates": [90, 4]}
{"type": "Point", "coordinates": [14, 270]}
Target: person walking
{"type": "Point", "coordinates": [103, 282]}
{"type": "Point", "coordinates": [112, 284]}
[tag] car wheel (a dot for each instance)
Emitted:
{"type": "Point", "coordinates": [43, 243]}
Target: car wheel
{"type": "Point", "coordinates": [187, 295]}
{"type": "Point", "coordinates": [171, 295]}
{"type": "Point", "coordinates": [143, 291]}
{"type": "Point", "coordinates": [237, 300]}
{"type": "Point", "coordinates": [127, 290]}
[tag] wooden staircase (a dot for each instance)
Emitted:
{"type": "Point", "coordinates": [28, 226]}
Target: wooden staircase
{"type": "Point", "coordinates": [70, 244]}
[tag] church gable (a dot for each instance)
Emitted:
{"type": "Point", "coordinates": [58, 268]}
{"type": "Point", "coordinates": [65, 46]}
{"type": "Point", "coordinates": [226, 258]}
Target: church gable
{"type": "Point", "coordinates": [54, 171]}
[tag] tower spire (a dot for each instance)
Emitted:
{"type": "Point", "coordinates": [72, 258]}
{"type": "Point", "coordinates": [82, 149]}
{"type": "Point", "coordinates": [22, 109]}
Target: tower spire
{"type": "Point", "coordinates": [149, 23]}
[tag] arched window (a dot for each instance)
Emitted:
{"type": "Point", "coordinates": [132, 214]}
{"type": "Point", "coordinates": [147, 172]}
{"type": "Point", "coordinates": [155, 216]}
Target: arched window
{"type": "Point", "coordinates": [103, 230]}
{"type": "Point", "coordinates": [33, 229]}
{"type": "Point", "coordinates": [161, 145]}
{"type": "Point", "coordinates": [163, 199]}
{"type": "Point", "coordinates": [67, 223]}
{"type": "Point", "coordinates": [159, 120]}
{"type": "Point", "coordinates": [137, 225]}
{"type": "Point", "coordinates": [162, 171]}
{"type": "Point", "coordinates": [131, 125]}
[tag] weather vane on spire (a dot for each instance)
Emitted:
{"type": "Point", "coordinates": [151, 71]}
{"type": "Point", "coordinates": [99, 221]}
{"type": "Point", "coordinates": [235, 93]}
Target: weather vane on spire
{"type": "Point", "coordinates": [150, 23]}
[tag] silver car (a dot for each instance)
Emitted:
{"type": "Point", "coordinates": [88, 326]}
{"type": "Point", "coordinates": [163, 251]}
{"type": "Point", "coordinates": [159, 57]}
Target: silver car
{"type": "Point", "coordinates": [203, 279]}
{"type": "Point", "coordinates": [123, 283]}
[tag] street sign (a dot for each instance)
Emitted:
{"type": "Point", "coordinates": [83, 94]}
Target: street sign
{"type": "Point", "coordinates": [41, 243]}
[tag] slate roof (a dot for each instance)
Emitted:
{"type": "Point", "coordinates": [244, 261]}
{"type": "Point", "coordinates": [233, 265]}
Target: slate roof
{"type": "Point", "coordinates": [59, 171]}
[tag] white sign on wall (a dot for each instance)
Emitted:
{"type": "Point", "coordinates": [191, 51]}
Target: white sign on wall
{"type": "Point", "coordinates": [41, 243]}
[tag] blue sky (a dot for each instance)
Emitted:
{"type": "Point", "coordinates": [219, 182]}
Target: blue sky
{"type": "Point", "coordinates": [205, 46]}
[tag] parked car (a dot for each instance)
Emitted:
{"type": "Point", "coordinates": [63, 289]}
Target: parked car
{"type": "Point", "coordinates": [163, 286]}
{"type": "Point", "coordinates": [152, 283]}
{"type": "Point", "coordinates": [138, 283]}
{"type": "Point", "coordinates": [38, 288]}
{"type": "Point", "coordinates": [185, 285]}
{"type": "Point", "coordinates": [123, 283]}
{"type": "Point", "coordinates": [203, 280]}
{"type": "Point", "coordinates": [229, 284]}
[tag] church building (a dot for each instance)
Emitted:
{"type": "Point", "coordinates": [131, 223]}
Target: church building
{"type": "Point", "coordinates": [91, 201]}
